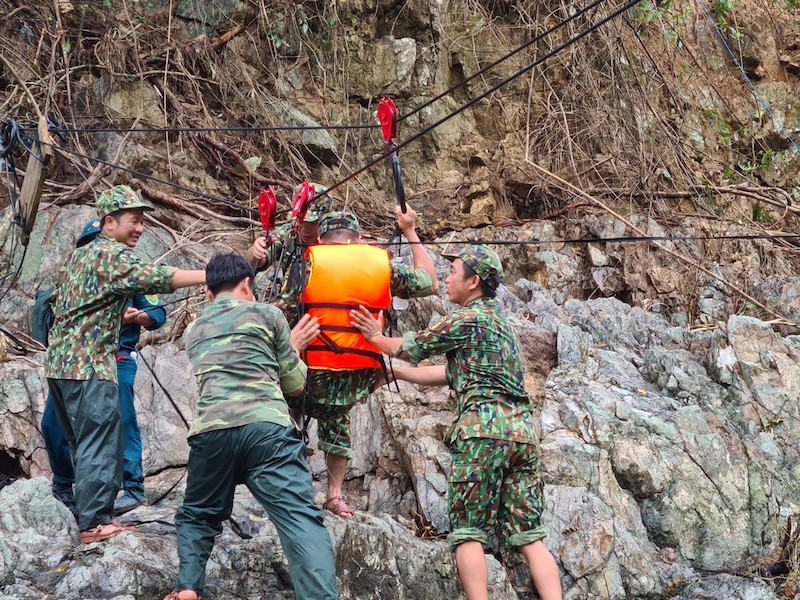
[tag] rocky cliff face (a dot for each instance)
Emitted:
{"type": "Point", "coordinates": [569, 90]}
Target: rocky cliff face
{"type": "Point", "coordinates": [665, 375]}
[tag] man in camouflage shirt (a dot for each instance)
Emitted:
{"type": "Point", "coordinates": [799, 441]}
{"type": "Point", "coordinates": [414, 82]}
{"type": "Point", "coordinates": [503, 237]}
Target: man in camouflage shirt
{"type": "Point", "coordinates": [286, 248]}
{"type": "Point", "coordinates": [332, 394]}
{"type": "Point", "coordinates": [245, 367]}
{"type": "Point", "coordinates": [495, 474]}
{"type": "Point", "coordinates": [92, 293]}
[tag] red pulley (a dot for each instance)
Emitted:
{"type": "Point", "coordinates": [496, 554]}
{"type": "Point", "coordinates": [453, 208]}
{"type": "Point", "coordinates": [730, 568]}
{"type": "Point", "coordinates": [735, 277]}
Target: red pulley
{"type": "Point", "coordinates": [387, 117]}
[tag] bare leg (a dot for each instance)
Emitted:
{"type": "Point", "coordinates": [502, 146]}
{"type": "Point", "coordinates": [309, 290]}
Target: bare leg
{"type": "Point", "coordinates": [544, 570]}
{"type": "Point", "coordinates": [337, 467]}
{"type": "Point", "coordinates": [472, 570]}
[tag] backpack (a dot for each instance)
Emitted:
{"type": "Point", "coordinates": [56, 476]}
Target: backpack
{"type": "Point", "coordinates": [43, 317]}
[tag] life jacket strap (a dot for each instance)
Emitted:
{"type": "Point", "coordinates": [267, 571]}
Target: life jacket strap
{"type": "Point", "coordinates": [310, 305]}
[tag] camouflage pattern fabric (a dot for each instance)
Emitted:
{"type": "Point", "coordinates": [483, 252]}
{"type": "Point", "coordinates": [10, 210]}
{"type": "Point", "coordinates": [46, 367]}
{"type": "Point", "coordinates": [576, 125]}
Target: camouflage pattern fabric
{"type": "Point", "coordinates": [484, 369]}
{"type": "Point", "coordinates": [244, 364]}
{"type": "Point", "coordinates": [284, 244]}
{"type": "Point", "coordinates": [331, 395]}
{"type": "Point", "coordinates": [320, 206]}
{"type": "Point", "coordinates": [340, 219]}
{"type": "Point", "coordinates": [91, 295]}
{"type": "Point", "coordinates": [495, 483]}
{"type": "Point", "coordinates": [485, 262]}
{"type": "Point", "coordinates": [120, 197]}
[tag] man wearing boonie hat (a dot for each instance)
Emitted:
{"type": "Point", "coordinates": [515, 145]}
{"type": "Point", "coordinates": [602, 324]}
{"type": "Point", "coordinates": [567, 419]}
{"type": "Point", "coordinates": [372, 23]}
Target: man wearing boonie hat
{"type": "Point", "coordinates": [91, 297]}
{"type": "Point", "coordinates": [341, 274]}
{"type": "Point", "coordinates": [285, 247]}
{"type": "Point", "coordinates": [495, 476]}
{"type": "Point", "coordinates": [143, 311]}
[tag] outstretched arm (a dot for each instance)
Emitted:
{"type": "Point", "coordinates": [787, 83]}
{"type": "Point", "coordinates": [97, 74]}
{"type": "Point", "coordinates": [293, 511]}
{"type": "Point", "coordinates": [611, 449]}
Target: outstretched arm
{"type": "Point", "coordinates": [185, 278]}
{"type": "Point", "coordinates": [432, 375]}
{"type": "Point", "coordinates": [422, 260]}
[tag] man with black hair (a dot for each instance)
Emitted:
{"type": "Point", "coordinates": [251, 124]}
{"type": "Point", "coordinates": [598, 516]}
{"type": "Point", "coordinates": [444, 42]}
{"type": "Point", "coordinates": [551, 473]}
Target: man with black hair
{"type": "Point", "coordinates": [92, 294]}
{"type": "Point", "coordinates": [495, 478]}
{"type": "Point", "coordinates": [246, 364]}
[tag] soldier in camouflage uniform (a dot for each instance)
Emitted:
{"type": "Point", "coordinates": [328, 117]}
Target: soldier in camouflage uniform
{"type": "Point", "coordinates": [285, 251]}
{"type": "Point", "coordinates": [246, 366]}
{"type": "Point", "coordinates": [92, 294]}
{"type": "Point", "coordinates": [495, 476]}
{"type": "Point", "coordinates": [332, 394]}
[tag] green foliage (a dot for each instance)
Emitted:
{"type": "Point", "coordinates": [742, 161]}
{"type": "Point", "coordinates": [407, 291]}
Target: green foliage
{"type": "Point", "coordinates": [645, 14]}
{"type": "Point", "coordinates": [722, 127]}
{"type": "Point", "coordinates": [760, 215]}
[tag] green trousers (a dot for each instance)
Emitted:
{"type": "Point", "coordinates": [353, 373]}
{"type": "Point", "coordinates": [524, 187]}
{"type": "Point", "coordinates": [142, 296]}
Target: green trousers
{"type": "Point", "coordinates": [88, 412]}
{"type": "Point", "coordinates": [270, 460]}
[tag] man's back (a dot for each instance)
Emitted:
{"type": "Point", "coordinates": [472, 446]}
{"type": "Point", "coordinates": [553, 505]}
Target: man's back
{"type": "Point", "coordinates": [244, 364]}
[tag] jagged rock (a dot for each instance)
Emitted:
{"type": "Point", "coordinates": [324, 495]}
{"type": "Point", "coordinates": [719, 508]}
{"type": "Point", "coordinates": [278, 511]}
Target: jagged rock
{"type": "Point", "coordinates": [23, 390]}
{"type": "Point", "coordinates": [661, 445]}
{"type": "Point", "coordinates": [375, 557]}
{"type": "Point", "coordinates": [165, 396]}
{"type": "Point", "coordinates": [319, 143]}
{"type": "Point", "coordinates": [385, 67]}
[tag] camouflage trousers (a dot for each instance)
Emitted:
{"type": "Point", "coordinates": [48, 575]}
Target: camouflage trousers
{"type": "Point", "coordinates": [495, 483]}
{"type": "Point", "coordinates": [330, 396]}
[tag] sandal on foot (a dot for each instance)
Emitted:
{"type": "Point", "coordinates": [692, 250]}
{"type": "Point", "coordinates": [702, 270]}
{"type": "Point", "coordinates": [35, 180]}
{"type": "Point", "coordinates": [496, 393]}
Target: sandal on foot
{"type": "Point", "coordinates": [339, 507]}
{"type": "Point", "coordinates": [183, 595]}
{"type": "Point", "coordinates": [103, 532]}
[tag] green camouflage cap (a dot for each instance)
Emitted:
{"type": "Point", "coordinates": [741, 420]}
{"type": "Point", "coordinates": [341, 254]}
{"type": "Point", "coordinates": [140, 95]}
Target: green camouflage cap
{"type": "Point", "coordinates": [485, 262]}
{"type": "Point", "coordinates": [320, 206]}
{"type": "Point", "coordinates": [120, 197]}
{"type": "Point", "coordinates": [340, 219]}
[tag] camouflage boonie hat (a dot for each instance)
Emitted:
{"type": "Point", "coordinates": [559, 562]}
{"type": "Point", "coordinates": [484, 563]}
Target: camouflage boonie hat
{"type": "Point", "coordinates": [340, 219]}
{"type": "Point", "coordinates": [485, 262]}
{"type": "Point", "coordinates": [89, 232]}
{"type": "Point", "coordinates": [120, 197]}
{"type": "Point", "coordinates": [320, 206]}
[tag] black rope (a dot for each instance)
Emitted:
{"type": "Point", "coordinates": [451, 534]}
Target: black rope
{"type": "Point", "coordinates": [163, 389]}
{"type": "Point", "coordinates": [488, 92]}
{"type": "Point", "coordinates": [612, 240]}
{"type": "Point", "coordinates": [217, 129]}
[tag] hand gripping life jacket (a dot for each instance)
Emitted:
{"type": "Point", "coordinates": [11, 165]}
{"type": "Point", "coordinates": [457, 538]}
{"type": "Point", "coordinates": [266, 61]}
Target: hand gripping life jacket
{"type": "Point", "coordinates": [344, 276]}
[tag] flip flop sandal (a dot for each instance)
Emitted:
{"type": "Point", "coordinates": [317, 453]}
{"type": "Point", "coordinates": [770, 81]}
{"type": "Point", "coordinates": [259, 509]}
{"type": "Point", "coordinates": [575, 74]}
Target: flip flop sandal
{"type": "Point", "coordinates": [339, 507]}
{"type": "Point", "coordinates": [103, 532]}
{"type": "Point", "coordinates": [183, 595]}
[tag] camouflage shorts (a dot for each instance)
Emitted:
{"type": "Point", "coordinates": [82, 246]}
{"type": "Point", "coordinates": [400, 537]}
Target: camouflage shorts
{"type": "Point", "coordinates": [331, 395]}
{"type": "Point", "coordinates": [495, 482]}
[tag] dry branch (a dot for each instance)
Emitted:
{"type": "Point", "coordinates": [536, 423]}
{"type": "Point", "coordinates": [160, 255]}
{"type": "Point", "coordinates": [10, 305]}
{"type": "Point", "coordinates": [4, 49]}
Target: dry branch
{"type": "Point", "coordinates": [226, 37]}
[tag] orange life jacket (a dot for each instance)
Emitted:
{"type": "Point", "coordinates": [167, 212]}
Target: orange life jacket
{"type": "Point", "coordinates": [342, 277]}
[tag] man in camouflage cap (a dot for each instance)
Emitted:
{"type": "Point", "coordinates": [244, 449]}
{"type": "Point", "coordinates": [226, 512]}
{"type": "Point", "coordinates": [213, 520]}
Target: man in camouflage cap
{"type": "Point", "coordinates": [332, 392]}
{"type": "Point", "coordinates": [120, 197]}
{"type": "Point", "coordinates": [143, 311]}
{"type": "Point", "coordinates": [495, 473]}
{"type": "Point", "coordinates": [286, 248]}
{"type": "Point", "coordinates": [91, 297]}
{"type": "Point", "coordinates": [342, 219]}
{"type": "Point", "coordinates": [246, 366]}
